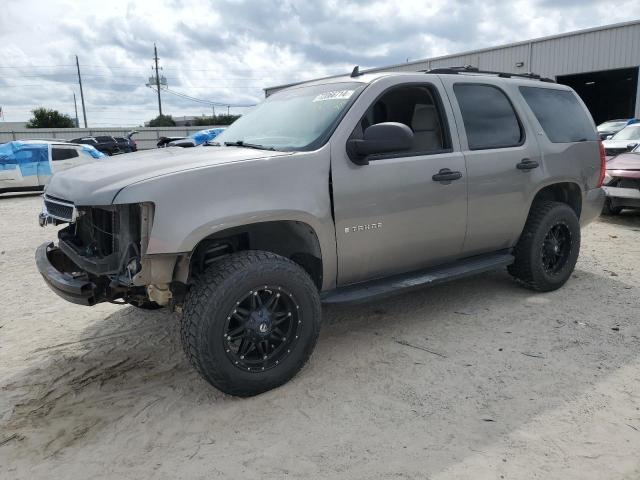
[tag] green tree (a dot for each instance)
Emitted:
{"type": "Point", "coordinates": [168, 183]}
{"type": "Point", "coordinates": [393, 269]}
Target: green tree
{"type": "Point", "coordinates": [47, 118]}
{"type": "Point", "coordinates": [217, 120]}
{"type": "Point", "coordinates": [162, 121]}
{"type": "Point", "coordinates": [226, 119]}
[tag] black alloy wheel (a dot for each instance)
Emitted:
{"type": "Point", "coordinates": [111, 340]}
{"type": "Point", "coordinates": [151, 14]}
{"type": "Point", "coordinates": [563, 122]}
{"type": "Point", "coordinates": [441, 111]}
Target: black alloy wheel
{"type": "Point", "coordinates": [261, 329]}
{"type": "Point", "coordinates": [556, 248]}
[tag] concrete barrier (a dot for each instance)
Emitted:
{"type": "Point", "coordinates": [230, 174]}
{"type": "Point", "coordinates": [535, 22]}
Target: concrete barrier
{"type": "Point", "coordinates": [146, 138]}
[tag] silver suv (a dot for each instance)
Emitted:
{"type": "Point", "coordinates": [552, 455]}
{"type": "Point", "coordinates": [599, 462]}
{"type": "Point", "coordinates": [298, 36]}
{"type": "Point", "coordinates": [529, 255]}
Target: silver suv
{"type": "Point", "coordinates": [330, 191]}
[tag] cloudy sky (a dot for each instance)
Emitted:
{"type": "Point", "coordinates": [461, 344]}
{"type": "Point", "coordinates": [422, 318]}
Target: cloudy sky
{"type": "Point", "coordinates": [227, 51]}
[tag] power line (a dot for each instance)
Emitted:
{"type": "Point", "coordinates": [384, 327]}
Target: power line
{"type": "Point", "coordinates": [207, 102]}
{"type": "Point", "coordinates": [278, 73]}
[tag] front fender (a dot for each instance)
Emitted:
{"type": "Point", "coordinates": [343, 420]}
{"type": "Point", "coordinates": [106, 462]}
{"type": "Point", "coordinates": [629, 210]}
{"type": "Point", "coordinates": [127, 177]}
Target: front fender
{"type": "Point", "coordinates": [194, 204]}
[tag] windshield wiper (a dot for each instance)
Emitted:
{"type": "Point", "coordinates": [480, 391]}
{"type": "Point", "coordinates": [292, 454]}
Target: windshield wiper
{"type": "Point", "coordinates": [241, 143]}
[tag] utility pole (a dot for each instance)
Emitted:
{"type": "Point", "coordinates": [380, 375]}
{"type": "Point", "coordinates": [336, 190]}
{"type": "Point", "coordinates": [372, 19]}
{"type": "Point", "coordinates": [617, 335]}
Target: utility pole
{"type": "Point", "coordinates": [84, 111]}
{"type": "Point", "coordinates": [155, 51]}
{"type": "Point", "coordinates": [227, 110]}
{"type": "Point", "coordinates": [75, 104]}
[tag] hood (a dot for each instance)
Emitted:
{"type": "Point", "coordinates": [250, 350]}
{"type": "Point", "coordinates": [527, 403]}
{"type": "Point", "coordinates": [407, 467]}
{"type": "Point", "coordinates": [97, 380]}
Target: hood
{"type": "Point", "coordinates": [98, 183]}
{"type": "Point", "coordinates": [625, 161]}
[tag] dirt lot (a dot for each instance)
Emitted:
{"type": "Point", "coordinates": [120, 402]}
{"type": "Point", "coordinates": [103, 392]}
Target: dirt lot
{"type": "Point", "coordinates": [475, 379]}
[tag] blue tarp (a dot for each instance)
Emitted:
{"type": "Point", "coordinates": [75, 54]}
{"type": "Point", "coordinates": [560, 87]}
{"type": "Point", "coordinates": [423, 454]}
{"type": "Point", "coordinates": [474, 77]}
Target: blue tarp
{"type": "Point", "coordinates": [91, 150]}
{"type": "Point", "coordinates": [203, 136]}
{"type": "Point", "coordinates": [31, 158]}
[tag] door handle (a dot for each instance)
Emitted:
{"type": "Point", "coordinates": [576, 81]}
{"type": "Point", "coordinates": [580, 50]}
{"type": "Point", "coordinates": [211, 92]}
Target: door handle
{"type": "Point", "coordinates": [446, 175]}
{"type": "Point", "coordinates": [527, 164]}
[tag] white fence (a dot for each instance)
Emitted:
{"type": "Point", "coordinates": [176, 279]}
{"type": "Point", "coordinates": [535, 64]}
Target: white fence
{"type": "Point", "coordinates": [147, 137]}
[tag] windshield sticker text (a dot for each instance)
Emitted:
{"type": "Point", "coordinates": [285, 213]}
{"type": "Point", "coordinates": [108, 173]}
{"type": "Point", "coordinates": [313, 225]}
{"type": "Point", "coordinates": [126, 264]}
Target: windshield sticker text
{"type": "Point", "coordinates": [335, 95]}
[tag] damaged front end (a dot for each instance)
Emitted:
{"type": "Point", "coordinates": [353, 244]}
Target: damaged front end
{"type": "Point", "coordinates": [100, 254]}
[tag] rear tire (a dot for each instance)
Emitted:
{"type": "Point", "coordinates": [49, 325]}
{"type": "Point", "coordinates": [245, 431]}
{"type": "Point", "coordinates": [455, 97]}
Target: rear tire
{"type": "Point", "coordinates": [548, 248]}
{"type": "Point", "coordinates": [250, 322]}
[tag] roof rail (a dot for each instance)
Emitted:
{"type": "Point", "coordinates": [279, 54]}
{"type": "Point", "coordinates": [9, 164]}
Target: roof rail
{"type": "Point", "coordinates": [470, 69]}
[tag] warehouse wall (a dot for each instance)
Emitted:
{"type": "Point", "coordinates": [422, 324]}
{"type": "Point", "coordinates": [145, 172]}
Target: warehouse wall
{"type": "Point", "coordinates": [145, 138]}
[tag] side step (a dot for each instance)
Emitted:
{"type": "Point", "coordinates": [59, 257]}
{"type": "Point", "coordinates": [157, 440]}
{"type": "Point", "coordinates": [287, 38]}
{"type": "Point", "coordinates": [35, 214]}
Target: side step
{"type": "Point", "coordinates": [431, 276]}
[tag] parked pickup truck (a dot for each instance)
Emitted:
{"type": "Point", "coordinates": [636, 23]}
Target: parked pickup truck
{"type": "Point", "coordinates": [365, 186]}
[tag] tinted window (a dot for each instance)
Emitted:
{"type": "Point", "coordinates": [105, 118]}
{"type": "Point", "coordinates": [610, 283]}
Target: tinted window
{"type": "Point", "coordinates": [104, 139]}
{"type": "Point", "coordinates": [489, 118]}
{"type": "Point", "coordinates": [560, 114]}
{"type": "Point", "coordinates": [63, 154]}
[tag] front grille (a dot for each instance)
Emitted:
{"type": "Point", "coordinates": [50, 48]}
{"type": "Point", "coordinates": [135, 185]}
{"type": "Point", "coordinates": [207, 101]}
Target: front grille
{"type": "Point", "coordinates": [59, 210]}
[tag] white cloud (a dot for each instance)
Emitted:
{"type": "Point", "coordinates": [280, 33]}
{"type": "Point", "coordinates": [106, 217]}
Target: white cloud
{"type": "Point", "coordinates": [229, 50]}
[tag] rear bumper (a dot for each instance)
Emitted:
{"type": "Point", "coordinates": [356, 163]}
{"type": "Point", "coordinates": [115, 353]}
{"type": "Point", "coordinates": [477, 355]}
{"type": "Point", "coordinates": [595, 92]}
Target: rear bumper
{"type": "Point", "coordinates": [623, 197]}
{"type": "Point", "coordinates": [55, 267]}
{"type": "Point", "coordinates": [592, 203]}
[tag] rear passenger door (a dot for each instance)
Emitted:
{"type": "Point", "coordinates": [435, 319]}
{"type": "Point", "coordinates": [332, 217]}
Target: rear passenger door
{"type": "Point", "coordinates": [393, 215]}
{"type": "Point", "coordinates": [64, 157]}
{"type": "Point", "coordinates": [502, 156]}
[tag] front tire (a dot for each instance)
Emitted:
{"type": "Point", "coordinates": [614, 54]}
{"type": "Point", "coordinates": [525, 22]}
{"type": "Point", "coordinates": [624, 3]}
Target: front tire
{"type": "Point", "coordinates": [547, 251]}
{"type": "Point", "coordinates": [250, 322]}
{"type": "Point", "coordinates": [145, 305]}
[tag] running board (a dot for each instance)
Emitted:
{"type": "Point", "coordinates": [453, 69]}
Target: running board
{"type": "Point", "coordinates": [431, 276]}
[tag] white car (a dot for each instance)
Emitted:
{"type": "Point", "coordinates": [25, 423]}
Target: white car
{"type": "Point", "coordinates": [623, 141]}
{"type": "Point", "coordinates": [29, 164]}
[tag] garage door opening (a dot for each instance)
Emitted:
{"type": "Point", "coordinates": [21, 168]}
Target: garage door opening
{"type": "Point", "coordinates": [609, 94]}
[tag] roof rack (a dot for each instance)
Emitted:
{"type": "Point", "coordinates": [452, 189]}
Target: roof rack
{"type": "Point", "coordinates": [470, 69]}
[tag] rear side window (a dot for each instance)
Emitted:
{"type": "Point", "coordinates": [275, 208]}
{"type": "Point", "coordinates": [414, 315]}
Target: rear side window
{"type": "Point", "coordinates": [489, 118]}
{"type": "Point", "coordinates": [560, 114]}
{"type": "Point", "coordinates": [104, 139]}
{"type": "Point", "coordinates": [63, 154]}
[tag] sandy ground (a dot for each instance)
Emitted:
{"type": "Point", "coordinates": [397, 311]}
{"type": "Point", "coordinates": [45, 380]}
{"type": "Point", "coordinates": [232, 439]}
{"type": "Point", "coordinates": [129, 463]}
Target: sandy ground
{"type": "Point", "coordinates": [496, 382]}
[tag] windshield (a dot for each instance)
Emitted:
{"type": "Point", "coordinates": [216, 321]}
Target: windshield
{"type": "Point", "coordinates": [297, 119]}
{"type": "Point", "coordinates": [631, 132]}
{"type": "Point", "coordinates": [613, 125]}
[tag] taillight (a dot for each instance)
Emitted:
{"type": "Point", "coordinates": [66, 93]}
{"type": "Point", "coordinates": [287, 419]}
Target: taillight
{"type": "Point", "coordinates": [603, 164]}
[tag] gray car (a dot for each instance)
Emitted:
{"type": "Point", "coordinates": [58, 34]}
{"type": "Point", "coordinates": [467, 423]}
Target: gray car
{"type": "Point", "coordinates": [332, 191]}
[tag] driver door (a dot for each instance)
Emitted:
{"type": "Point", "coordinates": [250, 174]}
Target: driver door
{"type": "Point", "coordinates": [392, 215]}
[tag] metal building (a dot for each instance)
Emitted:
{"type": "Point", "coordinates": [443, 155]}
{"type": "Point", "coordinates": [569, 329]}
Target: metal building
{"type": "Point", "coordinates": [601, 64]}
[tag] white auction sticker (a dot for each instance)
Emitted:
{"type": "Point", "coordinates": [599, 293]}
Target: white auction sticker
{"type": "Point", "coordinates": [335, 95]}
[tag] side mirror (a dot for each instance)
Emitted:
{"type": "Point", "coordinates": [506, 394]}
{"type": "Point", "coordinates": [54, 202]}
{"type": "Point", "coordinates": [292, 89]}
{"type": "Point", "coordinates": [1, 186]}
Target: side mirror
{"type": "Point", "coordinates": [609, 137]}
{"type": "Point", "coordinates": [631, 146]}
{"type": "Point", "coordinates": [380, 138]}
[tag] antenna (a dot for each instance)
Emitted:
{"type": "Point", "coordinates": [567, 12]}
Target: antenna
{"type": "Point", "coordinates": [356, 71]}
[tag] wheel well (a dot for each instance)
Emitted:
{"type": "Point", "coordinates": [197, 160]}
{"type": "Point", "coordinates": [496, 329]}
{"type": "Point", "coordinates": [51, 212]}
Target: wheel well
{"type": "Point", "coordinates": [565, 192]}
{"type": "Point", "coordinates": [294, 240]}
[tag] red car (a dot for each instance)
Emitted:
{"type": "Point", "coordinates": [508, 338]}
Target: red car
{"type": "Point", "coordinates": [622, 182]}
